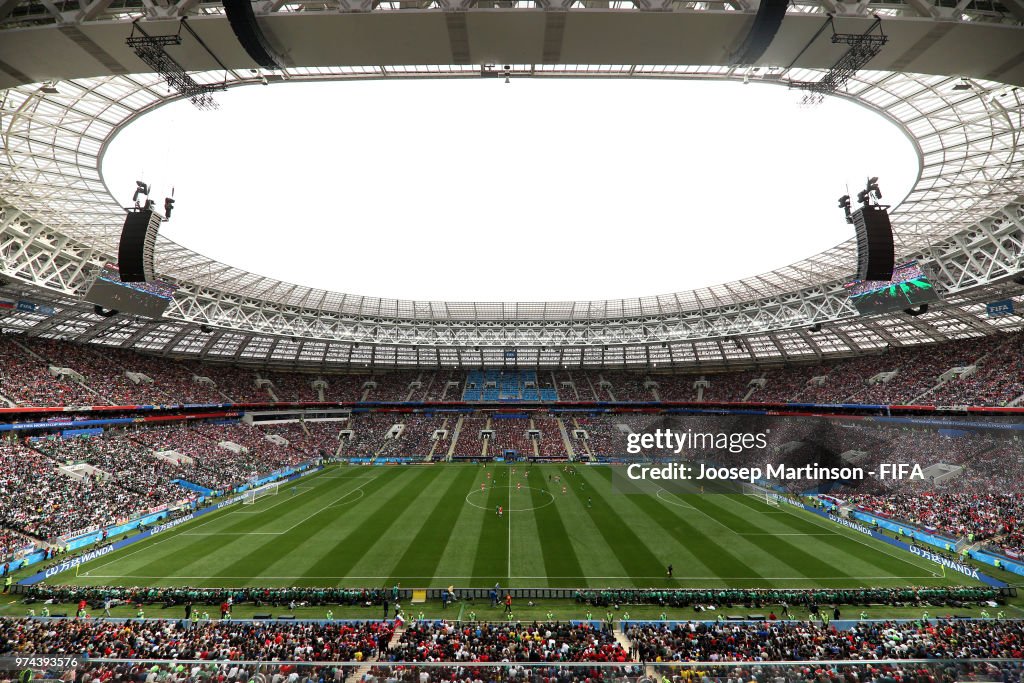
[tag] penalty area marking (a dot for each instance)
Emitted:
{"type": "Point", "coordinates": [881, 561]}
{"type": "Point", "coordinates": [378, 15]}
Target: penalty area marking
{"type": "Point", "coordinates": [838, 530]}
{"type": "Point", "coordinates": [337, 503]}
{"type": "Point", "coordinates": [149, 546]}
{"type": "Point", "coordinates": [305, 488]}
{"type": "Point", "coordinates": [678, 503]}
{"type": "Point", "coordinates": [551, 499]}
{"type": "Point", "coordinates": [213, 518]}
{"type": "Point", "coordinates": [332, 504]}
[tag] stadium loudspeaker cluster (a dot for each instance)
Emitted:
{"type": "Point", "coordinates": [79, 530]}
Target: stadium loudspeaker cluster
{"type": "Point", "coordinates": [876, 253]}
{"type": "Point", "coordinates": [247, 31]}
{"type": "Point", "coordinates": [138, 241]}
{"type": "Point", "coordinates": [767, 21]}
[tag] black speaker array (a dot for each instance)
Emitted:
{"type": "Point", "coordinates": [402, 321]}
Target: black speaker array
{"type": "Point", "coordinates": [247, 31]}
{"type": "Point", "coordinates": [770, 14]}
{"type": "Point", "coordinates": [876, 253]}
{"type": "Point", "coordinates": [138, 240]}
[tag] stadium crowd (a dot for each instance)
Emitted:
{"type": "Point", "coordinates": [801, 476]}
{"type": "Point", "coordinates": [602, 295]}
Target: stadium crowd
{"type": "Point", "coordinates": [125, 462]}
{"type": "Point", "coordinates": [117, 473]}
{"type": "Point", "coordinates": [724, 643]}
{"type": "Point", "coordinates": [777, 640]}
{"type": "Point", "coordinates": [204, 640]}
{"type": "Point", "coordinates": [511, 642]}
{"type": "Point", "coordinates": [993, 376]}
{"type": "Point", "coordinates": [982, 502]}
{"type": "Point", "coordinates": [41, 502]}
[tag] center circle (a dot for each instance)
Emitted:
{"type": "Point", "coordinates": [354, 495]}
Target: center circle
{"type": "Point", "coordinates": [474, 493]}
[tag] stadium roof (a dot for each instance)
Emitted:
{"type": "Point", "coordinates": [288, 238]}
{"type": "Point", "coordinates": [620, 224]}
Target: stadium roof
{"type": "Point", "coordinates": [963, 218]}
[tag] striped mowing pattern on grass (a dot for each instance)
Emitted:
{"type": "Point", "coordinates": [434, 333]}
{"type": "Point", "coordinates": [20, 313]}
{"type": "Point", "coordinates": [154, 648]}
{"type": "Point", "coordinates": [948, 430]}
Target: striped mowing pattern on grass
{"type": "Point", "coordinates": [433, 525]}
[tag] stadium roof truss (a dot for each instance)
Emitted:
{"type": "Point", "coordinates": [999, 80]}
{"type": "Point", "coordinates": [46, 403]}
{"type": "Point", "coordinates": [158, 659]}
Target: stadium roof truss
{"type": "Point", "coordinates": [964, 219]}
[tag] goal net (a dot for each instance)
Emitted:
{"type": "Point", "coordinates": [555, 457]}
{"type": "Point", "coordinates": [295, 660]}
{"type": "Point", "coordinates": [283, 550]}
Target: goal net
{"type": "Point", "coordinates": [252, 495]}
{"type": "Point", "coordinates": [764, 495]}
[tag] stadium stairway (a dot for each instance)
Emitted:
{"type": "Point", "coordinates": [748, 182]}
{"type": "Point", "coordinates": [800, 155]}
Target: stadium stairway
{"type": "Point", "coordinates": [590, 387]}
{"type": "Point", "coordinates": [569, 451]}
{"type": "Point", "coordinates": [626, 644]}
{"type": "Point", "coordinates": [456, 435]}
{"type": "Point", "coordinates": [361, 671]}
{"type": "Point", "coordinates": [487, 442]}
{"type": "Point", "coordinates": [752, 388]}
{"type": "Point", "coordinates": [586, 445]}
{"type": "Point", "coordinates": [435, 444]}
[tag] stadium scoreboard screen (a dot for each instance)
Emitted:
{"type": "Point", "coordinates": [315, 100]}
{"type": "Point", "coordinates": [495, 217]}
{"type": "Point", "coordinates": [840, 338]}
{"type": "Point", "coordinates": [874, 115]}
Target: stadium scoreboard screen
{"type": "Point", "coordinates": [148, 299]}
{"type": "Point", "coordinates": [909, 287]}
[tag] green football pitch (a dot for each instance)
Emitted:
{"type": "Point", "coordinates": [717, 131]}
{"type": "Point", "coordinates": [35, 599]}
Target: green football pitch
{"type": "Point", "coordinates": [430, 526]}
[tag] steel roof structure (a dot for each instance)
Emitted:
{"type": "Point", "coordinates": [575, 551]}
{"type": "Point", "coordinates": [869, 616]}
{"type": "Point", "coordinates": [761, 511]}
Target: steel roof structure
{"type": "Point", "coordinates": [948, 79]}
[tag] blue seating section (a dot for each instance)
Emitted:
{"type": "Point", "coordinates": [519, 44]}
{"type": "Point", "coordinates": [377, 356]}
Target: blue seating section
{"type": "Point", "coordinates": [505, 386]}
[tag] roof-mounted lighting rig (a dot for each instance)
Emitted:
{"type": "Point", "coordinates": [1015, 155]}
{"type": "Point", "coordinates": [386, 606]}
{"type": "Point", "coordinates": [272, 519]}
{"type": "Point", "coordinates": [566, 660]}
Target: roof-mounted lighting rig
{"type": "Point", "coordinates": [152, 50]}
{"type": "Point", "coordinates": [863, 47]}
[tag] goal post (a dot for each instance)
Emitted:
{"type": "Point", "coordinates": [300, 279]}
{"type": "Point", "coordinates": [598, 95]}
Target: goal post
{"type": "Point", "coordinates": [252, 495]}
{"type": "Point", "coordinates": [761, 493]}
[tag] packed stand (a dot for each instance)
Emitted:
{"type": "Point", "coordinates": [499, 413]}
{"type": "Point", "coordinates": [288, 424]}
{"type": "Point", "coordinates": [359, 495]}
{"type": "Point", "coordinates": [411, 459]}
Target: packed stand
{"type": "Point", "coordinates": [371, 432]}
{"type": "Point", "coordinates": [436, 389]}
{"type": "Point", "coordinates": [469, 444]}
{"type": "Point", "coordinates": [315, 439]}
{"type": "Point", "coordinates": [625, 386]}
{"type": "Point", "coordinates": [995, 382]}
{"type": "Point", "coordinates": [983, 502]}
{"type": "Point", "coordinates": [345, 388]}
{"type": "Point", "coordinates": [393, 387]}
{"type": "Point", "coordinates": [919, 369]}
{"type": "Point", "coordinates": [510, 435]}
{"type": "Point", "coordinates": [512, 642]}
{"type": "Point", "coordinates": [43, 503]}
{"type": "Point", "coordinates": [581, 388]}
{"type": "Point", "coordinates": [603, 438]}
{"type": "Point", "coordinates": [129, 465]}
{"type": "Point", "coordinates": [212, 467]}
{"type": "Point", "coordinates": [416, 438]}
{"type": "Point", "coordinates": [261, 452]}
{"type": "Point", "coordinates": [102, 373]}
{"type": "Point", "coordinates": [998, 380]}
{"type": "Point", "coordinates": [171, 379]}
{"type": "Point", "coordinates": [238, 384]}
{"type": "Point", "coordinates": [550, 445]}
{"type": "Point", "coordinates": [205, 640]}
{"type": "Point", "coordinates": [732, 387]}
{"type": "Point", "coordinates": [293, 386]}
{"type": "Point", "coordinates": [11, 542]}
{"type": "Point", "coordinates": [676, 387]}
{"type": "Point", "coordinates": [777, 640]}
{"type": "Point", "coordinates": [26, 381]}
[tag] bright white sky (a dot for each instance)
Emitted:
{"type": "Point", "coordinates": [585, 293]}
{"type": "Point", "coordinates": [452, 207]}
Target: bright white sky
{"type": "Point", "coordinates": [532, 191]}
